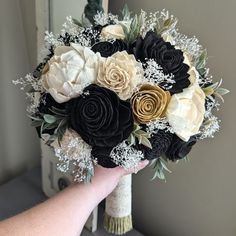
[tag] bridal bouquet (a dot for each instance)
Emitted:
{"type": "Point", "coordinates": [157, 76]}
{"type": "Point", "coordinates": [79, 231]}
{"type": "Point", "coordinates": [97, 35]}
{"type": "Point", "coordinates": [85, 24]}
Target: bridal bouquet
{"type": "Point", "coordinates": [121, 90]}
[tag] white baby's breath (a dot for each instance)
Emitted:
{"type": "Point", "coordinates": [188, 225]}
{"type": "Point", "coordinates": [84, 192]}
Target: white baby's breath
{"type": "Point", "coordinates": [126, 156]}
{"type": "Point", "coordinates": [153, 73]}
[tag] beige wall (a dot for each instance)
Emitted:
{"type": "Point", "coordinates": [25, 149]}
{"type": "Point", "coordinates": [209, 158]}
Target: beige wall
{"type": "Point", "coordinates": [59, 9]}
{"type": "Point", "coordinates": [19, 146]}
{"type": "Point", "coordinates": [199, 196]}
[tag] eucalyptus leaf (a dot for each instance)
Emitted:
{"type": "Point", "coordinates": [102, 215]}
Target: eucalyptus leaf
{"type": "Point", "coordinates": [202, 71]}
{"type": "Point", "coordinates": [186, 159]}
{"type": "Point", "coordinates": [49, 118]}
{"type": "Point", "coordinates": [132, 141]}
{"type": "Point", "coordinates": [143, 140]}
{"type": "Point", "coordinates": [134, 29]}
{"type": "Point", "coordinates": [77, 22]}
{"type": "Point", "coordinates": [208, 91]}
{"type": "Point", "coordinates": [126, 13]}
{"type": "Point", "coordinates": [161, 175]}
{"type": "Point", "coordinates": [201, 61]}
{"type": "Point", "coordinates": [59, 112]}
{"type": "Point", "coordinates": [36, 123]}
{"type": "Point", "coordinates": [164, 166]}
{"type": "Point", "coordinates": [159, 167]}
{"type": "Point", "coordinates": [167, 22]}
{"type": "Point", "coordinates": [219, 96]}
{"type": "Point", "coordinates": [222, 91]}
{"type": "Point", "coordinates": [35, 118]}
{"type": "Point", "coordinates": [141, 132]}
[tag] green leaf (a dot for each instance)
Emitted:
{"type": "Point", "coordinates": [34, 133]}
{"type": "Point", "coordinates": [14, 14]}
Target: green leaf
{"type": "Point", "coordinates": [201, 61]}
{"type": "Point", "coordinates": [61, 129]}
{"type": "Point", "coordinates": [159, 167]}
{"type": "Point", "coordinates": [35, 118]}
{"type": "Point", "coordinates": [219, 96]}
{"type": "Point", "coordinates": [58, 112]}
{"type": "Point", "coordinates": [132, 140]}
{"type": "Point", "coordinates": [161, 175]}
{"type": "Point", "coordinates": [186, 159]}
{"type": "Point", "coordinates": [143, 140]}
{"type": "Point", "coordinates": [222, 91]}
{"type": "Point", "coordinates": [164, 166]}
{"type": "Point", "coordinates": [167, 22]}
{"type": "Point", "coordinates": [208, 91]}
{"type": "Point", "coordinates": [49, 118]}
{"type": "Point", "coordinates": [142, 133]}
{"type": "Point", "coordinates": [134, 29]}
{"type": "Point", "coordinates": [77, 22]}
{"type": "Point", "coordinates": [126, 13]}
{"type": "Point", "coordinates": [36, 123]}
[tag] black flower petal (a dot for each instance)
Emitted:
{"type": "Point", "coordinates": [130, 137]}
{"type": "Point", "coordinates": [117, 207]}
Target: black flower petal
{"type": "Point", "coordinates": [171, 59]}
{"type": "Point", "coordinates": [102, 155]}
{"type": "Point", "coordinates": [107, 49]}
{"type": "Point", "coordinates": [101, 118]}
{"type": "Point", "coordinates": [180, 149]}
{"type": "Point", "coordinates": [160, 144]}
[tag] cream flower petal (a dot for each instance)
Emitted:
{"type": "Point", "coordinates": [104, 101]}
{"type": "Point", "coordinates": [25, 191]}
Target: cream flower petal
{"type": "Point", "coordinates": [69, 71]}
{"type": "Point", "coordinates": [185, 111]}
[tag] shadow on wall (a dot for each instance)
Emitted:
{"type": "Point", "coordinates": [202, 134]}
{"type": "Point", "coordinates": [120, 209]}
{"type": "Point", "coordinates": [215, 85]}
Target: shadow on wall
{"type": "Point", "coordinates": [19, 147]}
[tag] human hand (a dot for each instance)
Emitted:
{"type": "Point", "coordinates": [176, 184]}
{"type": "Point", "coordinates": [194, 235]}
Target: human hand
{"type": "Point", "coordinates": [106, 179]}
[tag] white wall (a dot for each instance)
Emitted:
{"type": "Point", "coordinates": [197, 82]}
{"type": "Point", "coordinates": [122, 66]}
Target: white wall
{"type": "Point", "coordinates": [60, 9]}
{"type": "Point", "coordinates": [199, 197]}
{"type": "Point", "coordinates": [19, 146]}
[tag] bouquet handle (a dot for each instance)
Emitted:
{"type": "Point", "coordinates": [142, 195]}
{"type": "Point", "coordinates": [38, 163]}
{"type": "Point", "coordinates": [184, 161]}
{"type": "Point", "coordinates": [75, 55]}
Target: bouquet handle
{"type": "Point", "coordinates": [118, 217]}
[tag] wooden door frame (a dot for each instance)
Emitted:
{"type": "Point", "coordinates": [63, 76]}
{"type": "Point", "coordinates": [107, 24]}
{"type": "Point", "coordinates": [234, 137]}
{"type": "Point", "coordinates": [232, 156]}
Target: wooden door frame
{"type": "Point", "coordinates": [42, 9]}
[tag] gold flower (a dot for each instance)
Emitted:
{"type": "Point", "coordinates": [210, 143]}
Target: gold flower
{"type": "Point", "coordinates": [120, 73]}
{"type": "Point", "coordinates": [149, 103]}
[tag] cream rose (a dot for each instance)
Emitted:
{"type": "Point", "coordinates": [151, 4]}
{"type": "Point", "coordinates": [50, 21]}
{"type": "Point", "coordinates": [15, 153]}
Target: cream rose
{"type": "Point", "coordinates": [69, 71]}
{"type": "Point", "coordinates": [186, 110]}
{"type": "Point", "coordinates": [113, 31]}
{"type": "Point", "coordinates": [120, 73]}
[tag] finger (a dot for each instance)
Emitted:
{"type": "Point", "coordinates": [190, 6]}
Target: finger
{"type": "Point", "coordinates": [141, 165]}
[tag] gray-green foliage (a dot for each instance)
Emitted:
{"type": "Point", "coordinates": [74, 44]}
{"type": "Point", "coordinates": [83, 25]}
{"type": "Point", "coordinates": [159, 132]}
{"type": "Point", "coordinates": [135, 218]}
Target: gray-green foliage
{"type": "Point", "coordinates": [216, 89]}
{"type": "Point", "coordinates": [200, 63]}
{"type": "Point", "coordinates": [159, 167]}
{"type": "Point", "coordinates": [56, 121]}
{"type": "Point", "coordinates": [139, 135]}
{"type": "Point", "coordinates": [163, 25]}
{"type": "Point", "coordinates": [133, 31]}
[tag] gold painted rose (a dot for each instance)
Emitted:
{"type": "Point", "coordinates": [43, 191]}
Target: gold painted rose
{"type": "Point", "coordinates": [149, 103]}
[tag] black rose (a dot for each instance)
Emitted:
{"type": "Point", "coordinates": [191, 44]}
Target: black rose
{"type": "Point", "coordinates": [171, 59]}
{"type": "Point", "coordinates": [160, 144]}
{"type": "Point", "coordinates": [180, 149]}
{"type": "Point", "coordinates": [102, 155]}
{"type": "Point", "coordinates": [101, 118]}
{"type": "Point", "coordinates": [107, 49]}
